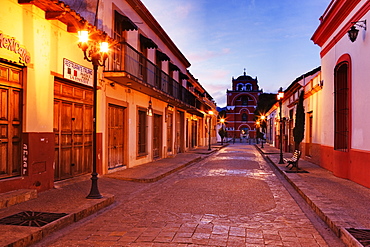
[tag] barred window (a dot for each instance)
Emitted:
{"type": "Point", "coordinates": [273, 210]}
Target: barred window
{"type": "Point", "coordinates": [341, 108]}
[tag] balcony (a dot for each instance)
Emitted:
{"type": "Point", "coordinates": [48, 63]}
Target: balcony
{"type": "Point", "coordinates": [131, 69]}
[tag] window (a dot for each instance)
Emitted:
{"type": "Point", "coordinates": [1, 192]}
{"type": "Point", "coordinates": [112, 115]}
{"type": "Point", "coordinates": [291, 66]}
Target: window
{"type": "Point", "coordinates": [240, 87]}
{"type": "Point", "coordinates": [141, 131]}
{"type": "Point", "coordinates": [244, 100]}
{"type": "Point", "coordinates": [248, 87]}
{"type": "Point", "coordinates": [118, 35]}
{"type": "Point", "coordinates": [244, 117]}
{"type": "Point", "coordinates": [121, 25]}
{"type": "Point", "coordinates": [341, 107]}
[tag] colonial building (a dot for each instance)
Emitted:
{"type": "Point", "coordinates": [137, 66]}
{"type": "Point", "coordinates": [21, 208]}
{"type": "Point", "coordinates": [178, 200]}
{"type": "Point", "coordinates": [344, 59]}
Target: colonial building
{"type": "Point", "coordinates": [336, 98]}
{"type": "Point", "coordinates": [148, 105]}
{"type": "Point", "coordinates": [241, 104]}
{"type": "Point", "coordinates": [344, 133]}
{"type": "Point", "coordinates": [311, 84]}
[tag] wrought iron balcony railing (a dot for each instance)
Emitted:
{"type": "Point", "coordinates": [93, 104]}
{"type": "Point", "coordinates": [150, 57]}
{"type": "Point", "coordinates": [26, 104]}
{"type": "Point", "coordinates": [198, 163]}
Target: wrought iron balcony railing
{"type": "Point", "coordinates": [128, 60]}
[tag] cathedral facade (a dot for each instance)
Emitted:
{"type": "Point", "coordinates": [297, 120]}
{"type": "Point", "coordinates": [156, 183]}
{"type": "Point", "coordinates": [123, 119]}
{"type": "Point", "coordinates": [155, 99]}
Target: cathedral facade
{"type": "Point", "coordinates": [241, 103]}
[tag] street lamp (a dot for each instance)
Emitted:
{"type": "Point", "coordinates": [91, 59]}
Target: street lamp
{"type": "Point", "coordinates": [257, 130]}
{"type": "Point", "coordinates": [209, 130]}
{"type": "Point", "coordinates": [222, 121]}
{"type": "Point", "coordinates": [96, 52]}
{"type": "Point", "coordinates": [280, 97]}
{"type": "Point", "coordinates": [263, 117]}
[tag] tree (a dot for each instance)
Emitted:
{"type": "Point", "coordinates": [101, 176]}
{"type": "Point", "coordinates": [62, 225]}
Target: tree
{"type": "Point", "coordinates": [298, 131]}
{"type": "Point", "coordinates": [265, 102]}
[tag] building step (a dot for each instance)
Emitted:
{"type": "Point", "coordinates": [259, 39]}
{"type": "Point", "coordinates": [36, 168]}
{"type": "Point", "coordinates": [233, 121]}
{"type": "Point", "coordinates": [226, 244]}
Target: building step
{"type": "Point", "coordinates": [10, 198]}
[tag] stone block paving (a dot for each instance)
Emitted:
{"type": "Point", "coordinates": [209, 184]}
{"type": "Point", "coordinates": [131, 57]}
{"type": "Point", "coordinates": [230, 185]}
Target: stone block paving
{"type": "Point", "coordinates": [143, 220]}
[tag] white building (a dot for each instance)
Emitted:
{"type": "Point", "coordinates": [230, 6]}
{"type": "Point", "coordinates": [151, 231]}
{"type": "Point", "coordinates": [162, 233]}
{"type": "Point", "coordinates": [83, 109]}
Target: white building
{"type": "Point", "coordinates": [344, 131]}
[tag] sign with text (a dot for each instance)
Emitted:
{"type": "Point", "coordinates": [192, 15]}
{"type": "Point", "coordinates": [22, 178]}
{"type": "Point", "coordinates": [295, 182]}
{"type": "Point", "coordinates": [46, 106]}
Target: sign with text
{"type": "Point", "coordinates": [13, 49]}
{"type": "Point", "coordinates": [25, 160]}
{"type": "Point", "coordinates": [77, 73]}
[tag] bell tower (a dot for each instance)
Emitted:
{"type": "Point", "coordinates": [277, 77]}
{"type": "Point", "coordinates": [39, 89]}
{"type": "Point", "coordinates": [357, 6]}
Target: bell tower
{"type": "Point", "coordinates": [241, 104]}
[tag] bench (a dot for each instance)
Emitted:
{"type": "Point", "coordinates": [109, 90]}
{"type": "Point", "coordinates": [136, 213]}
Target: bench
{"type": "Point", "coordinates": [293, 161]}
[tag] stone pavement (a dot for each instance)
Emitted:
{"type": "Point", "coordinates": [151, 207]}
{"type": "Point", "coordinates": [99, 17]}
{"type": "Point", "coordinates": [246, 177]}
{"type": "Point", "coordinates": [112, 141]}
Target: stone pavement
{"type": "Point", "coordinates": [231, 199]}
{"type": "Point", "coordinates": [340, 203]}
{"type": "Point", "coordinates": [69, 197]}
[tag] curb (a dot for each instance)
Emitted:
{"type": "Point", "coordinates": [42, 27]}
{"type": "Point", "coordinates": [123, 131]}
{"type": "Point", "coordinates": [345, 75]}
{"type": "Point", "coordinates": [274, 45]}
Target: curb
{"type": "Point", "coordinates": [155, 179]}
{"type": "Point", "coordinates": [339, 231]}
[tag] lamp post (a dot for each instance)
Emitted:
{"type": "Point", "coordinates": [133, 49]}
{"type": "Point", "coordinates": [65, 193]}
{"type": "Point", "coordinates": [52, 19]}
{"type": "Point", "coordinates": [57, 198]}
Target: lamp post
{"type": "Point", "coordinates": [257, 130]}
{"type": "Point", "coordinates": [222, 121]}
{"type": "Point", "coordinates": [280, 97]}
{"type": "Point", "coordinates": [209, 130]}
{"type": "Point", "coordinates": [263, 117]}
{"type": "Point", "coordinates": [234, 131]}
{"type": "Point", "coordinates": [95, 52]}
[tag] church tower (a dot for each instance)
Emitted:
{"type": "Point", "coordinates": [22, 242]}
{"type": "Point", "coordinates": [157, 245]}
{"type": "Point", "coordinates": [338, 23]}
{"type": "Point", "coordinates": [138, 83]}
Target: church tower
{"type": "Point", "coordinates": [241, 104]}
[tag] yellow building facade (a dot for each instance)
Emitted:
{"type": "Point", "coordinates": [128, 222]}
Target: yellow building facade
{"type": "Point", "coordinates": [148, 105]}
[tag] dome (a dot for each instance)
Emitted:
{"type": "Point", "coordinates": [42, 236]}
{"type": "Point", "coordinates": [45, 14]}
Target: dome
{"type": "Point", "coordinates": [245, 77]}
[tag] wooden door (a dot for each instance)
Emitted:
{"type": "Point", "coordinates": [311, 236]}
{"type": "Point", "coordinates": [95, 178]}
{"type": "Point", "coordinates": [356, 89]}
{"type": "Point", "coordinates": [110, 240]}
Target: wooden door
{"type": "Point", "coordinates": [115, 136]}
{"type": "Point", "coordinates": [180, 147]}
{"type": "Point", "coordinates": [157, 136]}
{"type": "Point", "coordinates": [73, 131]}
{"type": "Point", "coordinates": [194, 133]}
{"type": "Point", "coordinates": [170, 132]}
{"type": "Point", "coordinates": [63, 139]}
{"type": "Point", "coordinates": [10, 131]}
{"type": "Point", "coordinates": [309, 135]}
{"type": "Point", "coordinates": [10, 121]}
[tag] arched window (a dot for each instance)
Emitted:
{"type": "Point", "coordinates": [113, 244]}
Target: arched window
{"type": "Point", "coordinates": [244, 100]}
{"type": "Point", "coordinates": [341, 107]}
{"type": "Point", "coordinates": [248, 87]}
{"type": "Point", "coordinates": [244, 117]}
{"type": "Point", "coordinates": [240, 87]}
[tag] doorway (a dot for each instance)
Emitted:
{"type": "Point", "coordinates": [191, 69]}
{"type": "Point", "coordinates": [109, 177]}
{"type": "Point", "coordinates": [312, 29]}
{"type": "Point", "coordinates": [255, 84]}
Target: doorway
{"type": "Point", "coordinates": [73, 130]}
{"type": "Point", "coordinates": [115, 136]}
{"type": "Point", "coordinates": [157, 136]}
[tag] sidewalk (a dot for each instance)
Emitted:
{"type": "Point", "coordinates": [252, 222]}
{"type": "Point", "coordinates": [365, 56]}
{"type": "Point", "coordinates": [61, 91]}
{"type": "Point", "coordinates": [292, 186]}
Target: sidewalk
{"type": "Point", "coordinates": [68, 199]}
{"type": "Point", "coordinates": [154, 171]}
{"type": "Point", "coordinates": [341, 203]}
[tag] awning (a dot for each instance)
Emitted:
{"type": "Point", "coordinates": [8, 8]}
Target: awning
{"type": "Point", "coordinates": [183, 76]}
{"type": "Point", "coordinates": [125, 22]}
{"type": "Point", "coordinates": [128, 25]}
{"type": "Point", "coordinates": [162, 56]}
{"type": "Point", "coordinates": [147, 43]}
{"type": "Point", "coordinates": [174, 67]}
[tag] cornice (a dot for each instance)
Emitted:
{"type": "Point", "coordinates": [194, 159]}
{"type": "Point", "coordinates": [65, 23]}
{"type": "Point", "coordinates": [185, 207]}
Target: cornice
{"type": "Point", "coordinates": [338, 12]}
{"type": "Point", "coordinates": [356, 17]}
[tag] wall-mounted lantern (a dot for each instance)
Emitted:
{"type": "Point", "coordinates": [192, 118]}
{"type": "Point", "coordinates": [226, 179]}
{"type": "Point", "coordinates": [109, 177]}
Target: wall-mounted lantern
{"type": "Point", "coordinates": [353, 32]}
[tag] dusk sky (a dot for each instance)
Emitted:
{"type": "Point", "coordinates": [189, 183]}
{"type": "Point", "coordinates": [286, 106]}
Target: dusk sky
{"type": "Point", "coordinates": [271, 39]}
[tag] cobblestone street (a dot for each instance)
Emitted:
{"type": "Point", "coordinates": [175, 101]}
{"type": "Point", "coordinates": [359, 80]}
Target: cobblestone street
{"type": "Point", "coordinates": [231, 198]}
